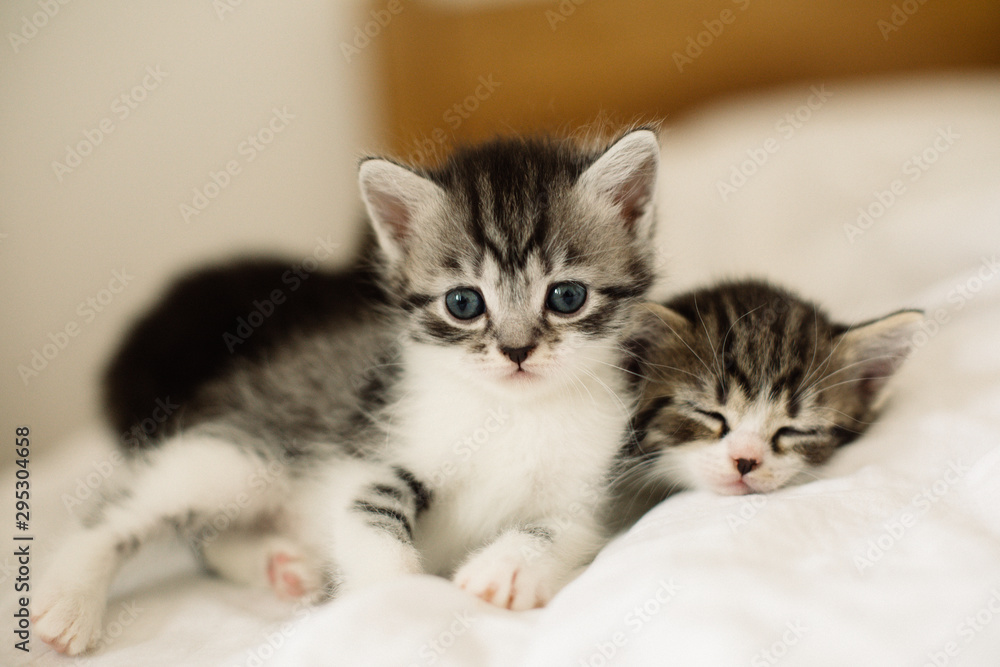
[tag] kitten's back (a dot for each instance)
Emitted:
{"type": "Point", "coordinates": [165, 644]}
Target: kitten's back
{"type": "Point", "coordinates": [197, 332]}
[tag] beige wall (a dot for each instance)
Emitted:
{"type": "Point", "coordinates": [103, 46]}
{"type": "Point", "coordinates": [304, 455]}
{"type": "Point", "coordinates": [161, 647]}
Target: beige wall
{"type": "Point", "coordinates": [198, 80]}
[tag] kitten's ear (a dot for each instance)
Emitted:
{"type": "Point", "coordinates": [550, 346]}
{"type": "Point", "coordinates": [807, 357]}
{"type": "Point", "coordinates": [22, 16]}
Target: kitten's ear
{"type": "Point", "coordinates": [396, 199]}
{"type": "Point", "coordinates": [625, 177]}
{"type": "Point", "coordinates": [653, 323]}
{"type": "Point", "coordinates": [872, 352]}
{"type": "Point", "coordinates": [652, 332]}
{"type": "Point", "coordinates": [663, 318]}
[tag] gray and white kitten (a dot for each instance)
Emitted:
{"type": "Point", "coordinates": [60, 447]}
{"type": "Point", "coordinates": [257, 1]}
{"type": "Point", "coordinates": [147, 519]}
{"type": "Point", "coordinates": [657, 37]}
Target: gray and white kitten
{"type": "Point", "coordinates": [490, 407]}
{"type": "Point", "coordinates": [748, 388]}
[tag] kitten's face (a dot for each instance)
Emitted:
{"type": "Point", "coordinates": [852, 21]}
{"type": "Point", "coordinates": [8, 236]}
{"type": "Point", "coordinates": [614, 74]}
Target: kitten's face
{"type": "Point", "coordinates": [519, 263]}
{"type": "Point", "coordinates": [750, 387]}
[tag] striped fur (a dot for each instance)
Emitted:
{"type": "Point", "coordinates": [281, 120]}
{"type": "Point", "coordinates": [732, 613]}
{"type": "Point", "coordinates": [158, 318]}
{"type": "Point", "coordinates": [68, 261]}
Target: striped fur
{"type": "Point", "coordinates": [395, 438]}
{"type": "Point", "coordinates": [749, 387]}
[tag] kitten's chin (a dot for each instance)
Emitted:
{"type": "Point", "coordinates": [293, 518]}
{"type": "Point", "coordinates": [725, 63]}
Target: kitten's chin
{"type": "Point", "coordinates": [737, 488]}
{"type": "Point", "coordinates": [522, 382]}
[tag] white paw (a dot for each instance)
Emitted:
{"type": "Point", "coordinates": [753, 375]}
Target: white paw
{"type": "Point", "coordinates": [293, 576]}
{"type": "Point", "coordinates": [69, 620]}
{"type": "Point", "coordinates": [506, 580]}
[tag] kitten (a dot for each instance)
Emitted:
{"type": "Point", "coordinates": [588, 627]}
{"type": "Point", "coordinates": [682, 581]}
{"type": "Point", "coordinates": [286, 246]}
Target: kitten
{"type": "Point", "coordinates": [748, 387]}
{"type": "Point", "coordinates": [477, 445]}
{"type": "Point", "coordinates": [216, 317]}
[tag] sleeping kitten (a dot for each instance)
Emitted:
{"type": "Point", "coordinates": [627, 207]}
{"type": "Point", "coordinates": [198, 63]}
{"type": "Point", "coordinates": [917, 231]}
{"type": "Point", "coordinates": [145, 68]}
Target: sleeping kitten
{"type": "Point", "coordinates": [479, 443]}
{"type": "Point", "coordinates": [748, 388]}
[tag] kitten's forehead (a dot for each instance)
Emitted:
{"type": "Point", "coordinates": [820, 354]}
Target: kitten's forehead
{"type": "Point", "coordinates": [762, 340]}
{"type": "Point", "coordinates": [513, 216]}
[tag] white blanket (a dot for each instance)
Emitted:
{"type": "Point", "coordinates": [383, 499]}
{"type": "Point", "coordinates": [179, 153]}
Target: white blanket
{"type": "Point", "coordinates": [866, 198]}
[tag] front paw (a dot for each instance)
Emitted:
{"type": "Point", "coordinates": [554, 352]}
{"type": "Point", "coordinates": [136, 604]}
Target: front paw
{"type": "Point", "coordinates": [69, 620]}
{"type": "Point", "coordinates": [292, 576]}
{"type": "Point", "coordinates": [506, 580]}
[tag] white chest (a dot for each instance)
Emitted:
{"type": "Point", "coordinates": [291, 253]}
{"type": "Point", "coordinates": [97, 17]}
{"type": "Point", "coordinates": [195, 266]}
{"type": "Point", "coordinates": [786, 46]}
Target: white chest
{"type": "Point", "coordinates": [494, 460]}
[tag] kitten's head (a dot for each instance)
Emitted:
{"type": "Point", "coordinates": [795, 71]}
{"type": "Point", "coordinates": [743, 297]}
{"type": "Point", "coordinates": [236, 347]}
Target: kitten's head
{"type": "Point", "coordinates": [748, 386]}
{"type": "Point", "coordinates": [519, 262]}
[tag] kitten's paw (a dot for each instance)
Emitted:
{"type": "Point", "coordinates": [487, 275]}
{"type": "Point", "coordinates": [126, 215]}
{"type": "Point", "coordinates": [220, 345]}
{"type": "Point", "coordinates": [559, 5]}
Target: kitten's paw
{"type": "Point", "coordinates": [293, 576]}
{"type": "Point", "coordinates": [507, 581]}
{"type": "Point", "coordinates": [69, 620]}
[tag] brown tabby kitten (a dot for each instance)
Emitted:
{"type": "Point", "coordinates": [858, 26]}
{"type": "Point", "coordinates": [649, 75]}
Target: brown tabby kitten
{"type": "Point", "coordinates": [747, 387]}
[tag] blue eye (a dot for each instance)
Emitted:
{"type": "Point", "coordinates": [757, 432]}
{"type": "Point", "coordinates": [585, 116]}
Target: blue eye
{"type": "Point", "coordinates": [566, 297]}
{"type": "Point", "coordinates": [465, 303]}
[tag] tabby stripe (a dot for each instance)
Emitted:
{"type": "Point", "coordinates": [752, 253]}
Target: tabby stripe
{"type": "Point", "coordinates": [642, 421]}
{"type": "Point", "coordinates": [415, 300]}
{"type": "Point", "coordinates": [843, 435]}
{"type": "Point", "coordinates": [435, 328]}
{"type": "Point", "coordinates": [540, 532]}
{"type": "Point", "coordinates": [622, 291]}
{"type": "Point", "coordinates": [596, 322]}
{"type": "Point", "coordinates": [387, 512]}
{"type": "Point", "coordinates": [389, 492]}
{"type": "Point", "coordinates": [421, 494]}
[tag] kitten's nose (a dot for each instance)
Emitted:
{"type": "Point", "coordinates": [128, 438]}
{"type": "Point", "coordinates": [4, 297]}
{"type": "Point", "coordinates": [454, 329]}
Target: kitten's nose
{"type": "Point", "coordinates": [518, 354]}
{"type": "Point", "coordinates": [746, 465]}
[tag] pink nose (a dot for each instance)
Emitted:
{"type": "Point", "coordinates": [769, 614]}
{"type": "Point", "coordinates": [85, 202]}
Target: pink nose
{"type": "Point", "coordinates": [746, 451]}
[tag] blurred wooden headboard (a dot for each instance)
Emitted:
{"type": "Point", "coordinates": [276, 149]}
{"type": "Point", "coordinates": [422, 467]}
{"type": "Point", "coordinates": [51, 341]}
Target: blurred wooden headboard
{"type": "Point", "coordinates": [462, 70]}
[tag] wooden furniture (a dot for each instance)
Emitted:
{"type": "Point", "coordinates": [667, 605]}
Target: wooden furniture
{"type": "Point", "coordinates": [455, 71]}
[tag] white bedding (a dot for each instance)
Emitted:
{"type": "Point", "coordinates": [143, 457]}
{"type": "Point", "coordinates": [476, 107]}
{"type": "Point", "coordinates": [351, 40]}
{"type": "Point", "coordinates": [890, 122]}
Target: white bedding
{"type": "Point", "coordinates": [891, 557]}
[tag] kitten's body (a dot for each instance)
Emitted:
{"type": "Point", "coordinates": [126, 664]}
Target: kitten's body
{"type": "Point", "coordinates": [468, 429]}
{"type": "Point", "coordinates": [748, 388]}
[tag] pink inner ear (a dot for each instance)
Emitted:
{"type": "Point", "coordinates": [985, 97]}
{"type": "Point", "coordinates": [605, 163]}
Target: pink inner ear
{"type": "Point", "coordinates": [632, 197]}
{"type": "Point", "coordinates": [393, 213]}
{"type": "Point", "coordinates": [874, 374]}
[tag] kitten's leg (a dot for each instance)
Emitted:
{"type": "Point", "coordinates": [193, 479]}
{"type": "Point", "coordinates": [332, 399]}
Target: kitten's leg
{"type": "Point", "coordinates": [186, 481]}
{"type": "Point", "coordinates": [525, 566]}
{"type": "Point", "coordinates": [267, 559]}
{"type": "Point", "coordinates": [374, 522]}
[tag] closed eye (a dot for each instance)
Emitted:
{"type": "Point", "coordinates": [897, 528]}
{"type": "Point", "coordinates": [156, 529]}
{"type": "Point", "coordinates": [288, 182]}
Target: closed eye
{"type": "Point", "coordinates": [716, 417]}
{"type": "Point", "coordinates": [793, 434]}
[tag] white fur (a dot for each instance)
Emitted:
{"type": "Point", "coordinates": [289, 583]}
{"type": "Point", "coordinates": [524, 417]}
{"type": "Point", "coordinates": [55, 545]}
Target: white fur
{"type": "Point", "coordinates": [516, 454]}
{"type": "Point", "coordinates": [711, 465]}
{"type": "Point", "coordinates": [192, 473]}
{"type": "Point", "coordinates": [543, 465]}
